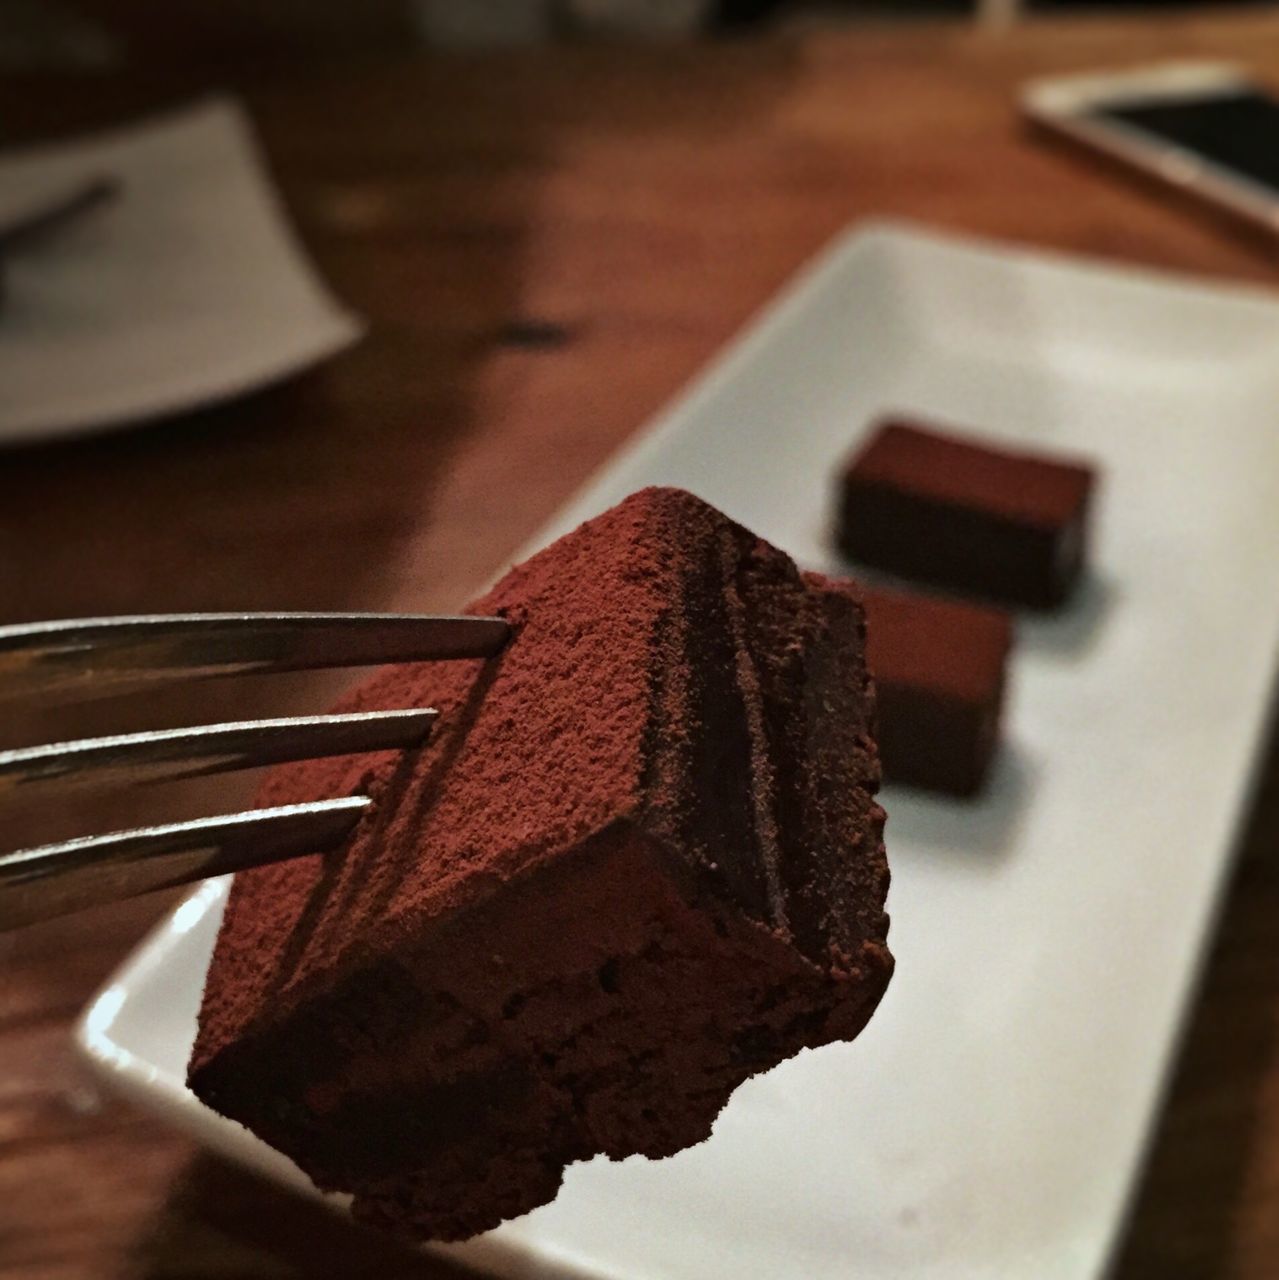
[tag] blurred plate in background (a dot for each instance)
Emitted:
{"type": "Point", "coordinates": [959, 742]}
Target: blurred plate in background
{"type": "Point", "coordinates": [186, 288]}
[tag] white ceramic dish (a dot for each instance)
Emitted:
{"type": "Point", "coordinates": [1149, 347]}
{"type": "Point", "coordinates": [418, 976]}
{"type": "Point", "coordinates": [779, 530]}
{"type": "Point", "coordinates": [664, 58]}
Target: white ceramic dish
{"type": "Point", "coordinates": [188, 288]}
{"type": "Point", "coordinates": [991, 1120]}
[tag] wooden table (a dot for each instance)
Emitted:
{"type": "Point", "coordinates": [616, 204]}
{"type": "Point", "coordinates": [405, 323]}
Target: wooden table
{"type": "Point", "coordinates": [547, 245]}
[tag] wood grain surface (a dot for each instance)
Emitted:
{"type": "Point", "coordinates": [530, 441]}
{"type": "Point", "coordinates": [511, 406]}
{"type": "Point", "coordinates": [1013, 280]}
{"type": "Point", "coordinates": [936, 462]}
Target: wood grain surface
{"type": "Point", "coordinates": [547, 245]}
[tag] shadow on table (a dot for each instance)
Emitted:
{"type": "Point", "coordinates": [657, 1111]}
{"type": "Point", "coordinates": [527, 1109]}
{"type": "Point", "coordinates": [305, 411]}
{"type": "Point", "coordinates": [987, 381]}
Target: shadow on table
{"type": "Point", "coordinates": [220, 1221]}
{"type": "Point", "coordinates": [982, 830]}
{"type": "Point", "coordinates": [1073, 630]}
{"type": "Point", "coordinates": [1195, 1191]}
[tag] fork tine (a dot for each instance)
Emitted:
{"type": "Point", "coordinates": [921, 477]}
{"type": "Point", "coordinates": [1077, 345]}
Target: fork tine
{"type": "Point", "coordinates": [54, 879]}
{"type": "Point", "coordinates": [211, 748]}
{"type": "Point", "coordinates": [91, 655]}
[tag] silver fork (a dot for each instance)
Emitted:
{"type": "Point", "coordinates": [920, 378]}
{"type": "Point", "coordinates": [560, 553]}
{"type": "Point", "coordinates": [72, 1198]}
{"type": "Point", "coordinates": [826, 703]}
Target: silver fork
{"type": "Point", "coordinates": [107, 655]}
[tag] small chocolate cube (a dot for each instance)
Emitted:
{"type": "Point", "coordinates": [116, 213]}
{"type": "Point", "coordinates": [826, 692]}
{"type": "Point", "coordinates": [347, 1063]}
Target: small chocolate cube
{"type": "Point", "coordinates": [939, 670]}
{"type": "Point", "coordinates": [639, 861]}
{"type": "Point", "coordinates": [955, 513]}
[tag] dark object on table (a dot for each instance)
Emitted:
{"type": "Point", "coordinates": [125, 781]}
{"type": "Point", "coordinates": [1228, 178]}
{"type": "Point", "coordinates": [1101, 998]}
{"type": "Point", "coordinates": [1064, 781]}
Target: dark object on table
{"type": "Point", "coordinates": [640, 861]}
{"type": "Point", "coordinates": [533, 334]}
{"type": "Point", "coordinates": [962, 514]}
{"type": "Point", "coordinates": [939, 671]}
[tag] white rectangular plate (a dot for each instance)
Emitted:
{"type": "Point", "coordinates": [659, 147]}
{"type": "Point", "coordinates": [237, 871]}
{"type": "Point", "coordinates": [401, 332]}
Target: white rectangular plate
{"type": "Point", "coordinates": [187, 288]}
{"type": "Point", "coordinates": [990, 1121]}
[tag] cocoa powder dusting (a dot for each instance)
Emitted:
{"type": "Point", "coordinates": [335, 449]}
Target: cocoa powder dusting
{"type": "Point", "coordinates": [639, 861]}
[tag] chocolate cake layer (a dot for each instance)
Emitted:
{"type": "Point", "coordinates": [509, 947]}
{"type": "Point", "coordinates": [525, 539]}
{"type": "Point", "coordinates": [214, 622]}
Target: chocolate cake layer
{"type": "Point", "coordinates": [640, 861]}
{"type": "Point", "coordinates": [965, 515]}
{"type": "Point", "coordinates": [939, 669]}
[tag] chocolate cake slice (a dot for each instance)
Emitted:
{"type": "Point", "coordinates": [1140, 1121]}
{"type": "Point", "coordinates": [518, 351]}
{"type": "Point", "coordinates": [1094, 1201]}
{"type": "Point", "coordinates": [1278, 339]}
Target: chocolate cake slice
{"type": "Point", "coordinates": [640, 861]}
